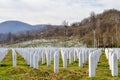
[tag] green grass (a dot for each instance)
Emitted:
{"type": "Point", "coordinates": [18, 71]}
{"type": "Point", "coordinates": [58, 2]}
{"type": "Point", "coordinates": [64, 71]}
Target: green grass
{"type": "Point", "coordinates": [72, 72]}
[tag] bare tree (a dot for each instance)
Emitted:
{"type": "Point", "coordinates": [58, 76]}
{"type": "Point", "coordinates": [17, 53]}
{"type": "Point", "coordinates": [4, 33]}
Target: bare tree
{"type": "Point", "coordinates": [65, 24]}
{"type": "Point", "coordinates": [93, 21]}
{"type": "Point", "coordinates": [116, 31]}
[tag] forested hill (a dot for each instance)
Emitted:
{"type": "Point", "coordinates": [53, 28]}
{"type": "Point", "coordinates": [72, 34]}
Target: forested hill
{"type": "Point", "coordinates": [106, 26]}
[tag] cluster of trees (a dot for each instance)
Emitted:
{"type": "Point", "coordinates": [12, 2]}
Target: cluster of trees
{"type": "Point", "coordinates": [10, 38]}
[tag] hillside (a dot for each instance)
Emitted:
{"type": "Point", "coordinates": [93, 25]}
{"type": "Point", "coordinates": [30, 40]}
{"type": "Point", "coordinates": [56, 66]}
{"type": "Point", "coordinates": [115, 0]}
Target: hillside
{"type": "Point", "coordinates": [106, 26]}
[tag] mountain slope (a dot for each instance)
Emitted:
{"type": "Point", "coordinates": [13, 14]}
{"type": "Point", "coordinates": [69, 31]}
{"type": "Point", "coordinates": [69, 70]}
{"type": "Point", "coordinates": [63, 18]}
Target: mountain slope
{"type": "Point", "coordinates": [106, 26]}
{"type": "Point", "coordinates": [17, 26]}
{"type": "Point", "coordinates": [107, 30]}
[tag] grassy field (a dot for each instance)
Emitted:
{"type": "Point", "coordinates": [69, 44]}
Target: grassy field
{"type": "Point", "coordinates": [73, 72]}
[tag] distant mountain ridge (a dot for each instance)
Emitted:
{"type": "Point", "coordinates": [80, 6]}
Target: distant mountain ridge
{"type": "Point", "coordinates": [17, 26]}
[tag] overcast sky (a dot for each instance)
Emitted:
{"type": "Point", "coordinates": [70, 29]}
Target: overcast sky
{"type": "Point", "coordinates": [52, 11]}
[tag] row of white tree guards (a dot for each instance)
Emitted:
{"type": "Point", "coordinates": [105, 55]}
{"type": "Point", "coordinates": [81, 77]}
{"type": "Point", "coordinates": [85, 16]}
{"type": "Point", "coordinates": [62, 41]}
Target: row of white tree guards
{"type": "Point", "coordinates": [3, 53]}
{"type": "Point", "coordinates": [46, 55]}
{"type": "Point", "coordinates": [33, 55]}
{"type": "Point", "coordinates": [94, 57]}
{"type": "Point", "coordinates": [113, 55]}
